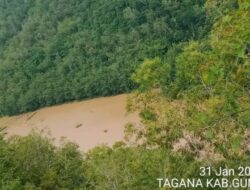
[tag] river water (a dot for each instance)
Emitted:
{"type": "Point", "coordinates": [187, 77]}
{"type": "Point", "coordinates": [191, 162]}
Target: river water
{"type": "Point", "coordinates": [88, 123]}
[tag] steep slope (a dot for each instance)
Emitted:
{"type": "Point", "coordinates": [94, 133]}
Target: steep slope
{"type": "Point", "coordinates": [57, 51]}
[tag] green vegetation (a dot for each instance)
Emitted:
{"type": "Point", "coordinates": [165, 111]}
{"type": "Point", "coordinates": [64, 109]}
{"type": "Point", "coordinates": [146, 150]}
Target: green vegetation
{"type": "Point", "coordinates": [33, 163]}
{"type": "Point", "coordinates": [52, 52]}
{"type": "Point", "coordinates": [203, 92]}
{"type": "Point", "coordinates": [193, 98]}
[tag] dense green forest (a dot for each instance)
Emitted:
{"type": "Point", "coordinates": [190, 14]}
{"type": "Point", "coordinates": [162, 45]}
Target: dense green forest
{"type": "Point", "coordinates": [192, 92]}
{"type": "Point", "coordinates": [57, 51]}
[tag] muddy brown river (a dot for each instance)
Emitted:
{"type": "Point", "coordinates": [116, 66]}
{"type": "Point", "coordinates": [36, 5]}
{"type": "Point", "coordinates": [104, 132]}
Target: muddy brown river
{"type": "Point", "coordinates": [88, 123]}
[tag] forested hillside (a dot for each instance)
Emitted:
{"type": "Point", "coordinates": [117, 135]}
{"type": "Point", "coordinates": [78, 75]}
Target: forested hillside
{"type": "Point", "coordinates": [193, 97]}
{"type": "Point", "coordinates": [54, 51]}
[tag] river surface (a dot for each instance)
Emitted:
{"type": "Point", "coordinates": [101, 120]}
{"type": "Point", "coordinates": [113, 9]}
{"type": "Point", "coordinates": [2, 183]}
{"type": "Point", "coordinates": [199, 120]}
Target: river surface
{"type": "Point", "coordinates": [88, 123]}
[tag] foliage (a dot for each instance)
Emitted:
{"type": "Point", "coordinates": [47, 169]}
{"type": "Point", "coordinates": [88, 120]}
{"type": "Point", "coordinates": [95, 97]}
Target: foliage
{"type": "Point", "coordinates": [217, 9]}
{"type": "Point", "coordinates": [33, 162]}
{"type": "Point", "coordinates": [206, 103]}
{"type": "Point", "coordinates": [193, 94]}
{"type": "Point", "coordinates": [53, 52]}
{"type": "Point", "coordinates": [148, 74]}
{"type": "Point", "coordinates": [102, 168]}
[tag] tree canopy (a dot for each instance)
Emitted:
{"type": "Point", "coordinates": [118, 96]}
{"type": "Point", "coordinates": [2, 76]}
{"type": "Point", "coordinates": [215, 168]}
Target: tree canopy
{"type": "Point", "coordinates": [57, 51]}
{"type": "Point", "coordinates": [191, 79]}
